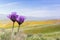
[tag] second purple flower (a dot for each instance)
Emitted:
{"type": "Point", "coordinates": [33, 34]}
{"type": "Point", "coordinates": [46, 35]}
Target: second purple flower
{"type": "Point", "coordinates": [20, 20]}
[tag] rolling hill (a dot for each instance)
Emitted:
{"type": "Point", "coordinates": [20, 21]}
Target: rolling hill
{"type": "Point", "coordinates": [35, 26]}
{"type": "Point", "coordinates": [8, 24]}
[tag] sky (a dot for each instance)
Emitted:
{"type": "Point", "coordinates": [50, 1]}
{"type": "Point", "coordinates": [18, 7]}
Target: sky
{"type": "Point", "coordinates": [33, 8]}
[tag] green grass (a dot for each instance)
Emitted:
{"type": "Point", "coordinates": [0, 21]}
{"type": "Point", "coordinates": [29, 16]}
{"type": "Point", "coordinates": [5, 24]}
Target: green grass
{"type": "Point", "coordinates": [41, 29]}
{"type": "Point", "coordinates": [44, 32]}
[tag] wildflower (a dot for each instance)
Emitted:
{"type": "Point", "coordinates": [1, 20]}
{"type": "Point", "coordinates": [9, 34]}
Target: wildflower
{"type": "Point", "coordinates": [20, 20]}
{"type": "Point", "coordinates": [13, 17]}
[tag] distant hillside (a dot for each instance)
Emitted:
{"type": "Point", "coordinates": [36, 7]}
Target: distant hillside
{"type": "Point", "coordinates": [29, 18]}
{"type": "Point", "coordinates": [8, 24]}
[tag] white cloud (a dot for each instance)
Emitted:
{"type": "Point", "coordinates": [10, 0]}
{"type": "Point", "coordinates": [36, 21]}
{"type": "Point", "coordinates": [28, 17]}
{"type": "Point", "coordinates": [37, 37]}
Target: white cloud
{"type": "Point", "coordinates": [7, 8]}
{"type": "Point", "coordinates": [45, 11]}
{"type": "Point", "coordinates": [41, 13]}
{"type": "Point", "coordinates": [8, 4]}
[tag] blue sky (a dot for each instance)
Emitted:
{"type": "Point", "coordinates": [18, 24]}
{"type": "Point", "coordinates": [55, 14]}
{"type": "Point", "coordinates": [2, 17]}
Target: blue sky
{"type": "Point", "coordinates": [35, 8]}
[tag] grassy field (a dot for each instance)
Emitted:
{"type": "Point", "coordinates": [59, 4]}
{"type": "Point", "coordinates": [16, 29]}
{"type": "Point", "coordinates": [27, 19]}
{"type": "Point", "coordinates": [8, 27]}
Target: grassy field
{"type": "Point", "coordinates": [49, 29]}
{"type": "Point", "coordinates": [44, 29]}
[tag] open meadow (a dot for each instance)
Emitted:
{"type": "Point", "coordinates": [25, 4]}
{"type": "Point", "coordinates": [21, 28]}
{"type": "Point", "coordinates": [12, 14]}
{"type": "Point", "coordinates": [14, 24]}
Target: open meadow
{"type": "Point", "coordinates": [34, 30]}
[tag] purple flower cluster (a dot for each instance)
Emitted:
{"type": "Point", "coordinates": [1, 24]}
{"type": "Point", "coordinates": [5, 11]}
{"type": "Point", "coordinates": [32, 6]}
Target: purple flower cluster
{"type": "Point", "coordinates": [20, 19]}
{"type": "Point", "coordinates": [16, 18]}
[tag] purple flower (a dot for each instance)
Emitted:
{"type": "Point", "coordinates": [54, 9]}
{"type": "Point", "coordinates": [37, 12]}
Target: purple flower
{"type": "Point", "coordinates": [20, 19]}
{"type": "Point", "coordinates": [13, 16]}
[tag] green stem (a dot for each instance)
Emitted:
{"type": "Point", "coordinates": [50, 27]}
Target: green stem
{"type": "Point", "coordinates": [13, 26]}
{"type": "Point", "coordinates": [18, 28]}
{"type": "Point", "coordinates": [12, 35]}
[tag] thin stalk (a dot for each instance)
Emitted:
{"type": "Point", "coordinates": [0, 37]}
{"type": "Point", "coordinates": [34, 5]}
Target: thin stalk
{"type": "Point", "coordinates": [12, 35]}
{"type": "Point", "coordinates": [13, 26]}
{"type": "Point", "coordinates": [18, 28]}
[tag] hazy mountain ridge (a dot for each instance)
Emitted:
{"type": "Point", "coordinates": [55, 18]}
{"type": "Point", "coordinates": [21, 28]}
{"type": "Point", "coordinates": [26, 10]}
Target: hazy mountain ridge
{"type": "Point", "coordinates": [4, 17]}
